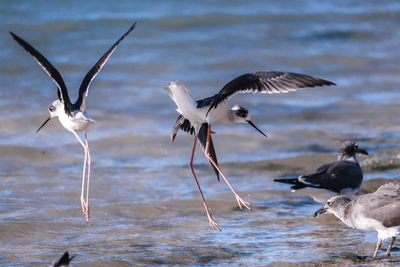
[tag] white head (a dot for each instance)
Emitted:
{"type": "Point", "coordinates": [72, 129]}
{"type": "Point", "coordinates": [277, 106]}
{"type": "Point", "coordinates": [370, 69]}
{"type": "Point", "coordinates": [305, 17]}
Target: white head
{"type": "Point", "coordinates": [54, 108]}
{"type": "Point", "coordinates": [241, 115]}
{"type": "Point", "coordinates": [336, 205]}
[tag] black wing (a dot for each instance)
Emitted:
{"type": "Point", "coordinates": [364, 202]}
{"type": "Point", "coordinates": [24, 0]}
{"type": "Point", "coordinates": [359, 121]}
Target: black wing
{"type": "Point", "coordinates": [202, 137]}
{"type": "Point", "coordinates": [64, 260]}
{"type": "Point", "coordinates": [204, 102]}
{"type": "Point", "coordinates": [184, 125]}
{"type": "Point", "coordinates": [83, 90]}
{"type": "Point", "coordinates": [335, 176]}
{"type": "Point", "coordinates": [266, 83]}
{"type": "Point", "coordinates": [300, 183]}
{"type": "Point", "coordinates": [50, 70]}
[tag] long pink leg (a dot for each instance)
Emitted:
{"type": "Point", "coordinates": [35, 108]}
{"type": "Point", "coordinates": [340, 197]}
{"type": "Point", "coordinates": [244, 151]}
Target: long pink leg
{"type": "Point", "coordinates": [83, 203]}
{"type": "Point", "coordinates": [239, 200]}
{"type": "Point", "coordinates": [213, 224]}
{"type": "Point", "coordinates": [88, 178]}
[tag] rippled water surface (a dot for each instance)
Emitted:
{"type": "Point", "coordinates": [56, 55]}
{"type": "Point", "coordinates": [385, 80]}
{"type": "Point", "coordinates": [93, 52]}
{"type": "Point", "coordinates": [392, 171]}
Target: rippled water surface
{"type": "Point", "coordinates": [145, 207]}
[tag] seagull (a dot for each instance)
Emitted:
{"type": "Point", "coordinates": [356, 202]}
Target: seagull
{"type": "Point", "coordinates": [378, 211]}
{"type": "Point", "coordinates": [196, 117]}
{"type": "Point", "coordinates": [73, 116]}
{"type": "Point", "coordinates": [64, 260]}
{"type": "Point", "coordinates": [342, 177]}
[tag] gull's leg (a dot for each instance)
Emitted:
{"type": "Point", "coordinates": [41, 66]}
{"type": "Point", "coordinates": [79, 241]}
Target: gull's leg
{"type": "Point", "coordinates": [83, 203]}
{"type": "Point", "coordinates": [239, 200]}
{"type": "Point", "coordinates": [88, 178]}
{"type": "Point", "coordinates": [387, 254]}
{"type": "Point", "coordinates": [378, 246]}
{"type": "Point", "coordinates": [213, 224]}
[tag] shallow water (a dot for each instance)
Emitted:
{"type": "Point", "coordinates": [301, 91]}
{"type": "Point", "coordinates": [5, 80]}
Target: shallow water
{"type": "Point", "coordinates": [145, 208]}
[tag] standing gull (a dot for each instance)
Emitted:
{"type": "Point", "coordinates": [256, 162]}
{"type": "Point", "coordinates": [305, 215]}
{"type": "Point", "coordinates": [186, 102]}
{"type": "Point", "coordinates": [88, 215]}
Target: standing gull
{"type": "Point", "coordinates": [73, 117]}
{"type": "Point", "coordinates": [378, 211]}
{"type": "Point", "coordinates": [342, 177]}
{"type": "Point", "coordinates": [197, 117]}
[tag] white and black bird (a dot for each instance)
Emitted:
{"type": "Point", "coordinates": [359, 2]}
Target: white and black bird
{"type": "Point", "coordinates": [196, 117]}
{"type": "Point", "coordinates": [378, 211]}
{"type": "Point", "coordinates": [342, 177]}
{"type": "Point", "coordinates": [64, 260]}
{"type": "Point", "coordinates": [73, 116]}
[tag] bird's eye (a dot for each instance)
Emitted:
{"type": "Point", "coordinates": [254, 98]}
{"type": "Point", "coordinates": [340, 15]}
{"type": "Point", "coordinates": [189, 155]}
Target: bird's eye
{"type": "Point", "coordinates": [328, 203]}
{"type": "Point", "coordinates": [51, 108]}
{"type": "Point", "coordinates": [242, 112]}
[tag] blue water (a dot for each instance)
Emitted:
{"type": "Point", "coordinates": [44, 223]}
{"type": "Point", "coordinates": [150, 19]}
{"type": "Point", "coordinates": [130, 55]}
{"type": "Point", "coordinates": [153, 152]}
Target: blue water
{"type": "Point", "coordinates": [146, 208]}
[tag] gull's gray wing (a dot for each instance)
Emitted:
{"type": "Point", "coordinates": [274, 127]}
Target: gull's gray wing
{"type": "Point", "coordinates": [382, 205]}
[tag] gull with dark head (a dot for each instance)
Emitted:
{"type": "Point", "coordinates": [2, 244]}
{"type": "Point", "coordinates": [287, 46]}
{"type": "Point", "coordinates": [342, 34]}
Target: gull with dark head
{"type": "Point", "coordinates": [378, 211]}
{"type": "Point", "coordinates": [196, 117]}
{"type": "Point", "coordinates": [72, 116]}
{"type": "Point", "coordinates": [342, 177]}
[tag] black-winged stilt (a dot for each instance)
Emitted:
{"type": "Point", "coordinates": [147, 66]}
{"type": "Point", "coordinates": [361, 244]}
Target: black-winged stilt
{"type": "Point", "coordinates": [197, 116]}
{"type": "Point", "coordinates": [73, 117]}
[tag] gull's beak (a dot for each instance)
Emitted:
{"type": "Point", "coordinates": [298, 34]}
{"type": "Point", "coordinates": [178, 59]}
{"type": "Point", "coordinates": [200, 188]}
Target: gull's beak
{"type": "Point", "coordinates": [362, 151]}
{"type": "Point", "coordinates": [44, 123]}
{"type": "Point", "coordinates": [252, 124]}
{"type": "Point", "coordinates": [320, 211]}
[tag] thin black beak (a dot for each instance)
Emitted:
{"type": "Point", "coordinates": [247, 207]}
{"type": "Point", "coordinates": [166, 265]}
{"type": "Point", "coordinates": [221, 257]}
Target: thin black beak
{"type": "Point", "coordinates": [252, 124]}
{"type": "Point", "coordinates": [320, 211]}
{"type": "Point", "coordinates": [362, 151]}
{"type": "Point", "coordinates": [44, 123]}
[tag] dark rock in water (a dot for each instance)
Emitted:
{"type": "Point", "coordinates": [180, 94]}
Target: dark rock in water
{"type": "Point", "coordinates": [353, 257]}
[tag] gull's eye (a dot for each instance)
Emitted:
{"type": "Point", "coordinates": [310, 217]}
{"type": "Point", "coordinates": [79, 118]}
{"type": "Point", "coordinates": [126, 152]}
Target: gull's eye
{"type": "Point", "coordinates": [51, 108]}
{"type": "Point", "coordinates": [329, 203]}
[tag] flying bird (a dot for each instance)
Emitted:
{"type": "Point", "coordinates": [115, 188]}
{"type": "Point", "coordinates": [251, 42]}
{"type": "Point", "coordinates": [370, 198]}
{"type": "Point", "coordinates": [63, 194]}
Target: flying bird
{"type": "Point", "coordinates": [196, 117]}
{"type": "Point", "coordinates": [342, 177]}
{"type": "Point", "coordinates": [72, 116]}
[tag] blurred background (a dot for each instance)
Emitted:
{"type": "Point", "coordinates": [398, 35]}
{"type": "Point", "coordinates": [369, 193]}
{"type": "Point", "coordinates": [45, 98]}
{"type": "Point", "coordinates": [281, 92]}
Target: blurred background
{"type": "Point", "coordinates": [145, 207]}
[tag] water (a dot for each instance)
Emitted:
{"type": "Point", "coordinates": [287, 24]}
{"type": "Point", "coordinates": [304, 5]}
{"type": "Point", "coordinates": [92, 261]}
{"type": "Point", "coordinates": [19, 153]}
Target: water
{"type": "Point", "coordinates": [145, 207]}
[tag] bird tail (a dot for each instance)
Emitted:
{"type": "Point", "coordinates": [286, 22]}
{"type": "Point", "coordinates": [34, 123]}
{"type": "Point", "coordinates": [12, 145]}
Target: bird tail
{"type": "Point", "coordinates": [202, 137]}
{"type": "Point", "coordinates": [296, 183]}
{"type": "Point", "coordinates": [172, 87]}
